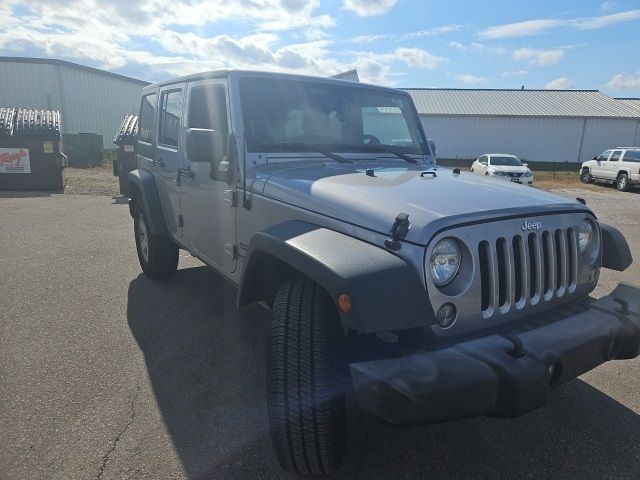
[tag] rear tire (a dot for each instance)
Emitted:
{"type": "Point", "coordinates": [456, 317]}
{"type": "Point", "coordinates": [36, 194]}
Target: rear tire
{"type": "Point", "coordinates": [304, 394]}
{"type": "Point", "coordinates": [157, 254]}
{"type": "Point", "coordinates": [585, 177]}
{"type": "Point", "coordinates": [622, 182]}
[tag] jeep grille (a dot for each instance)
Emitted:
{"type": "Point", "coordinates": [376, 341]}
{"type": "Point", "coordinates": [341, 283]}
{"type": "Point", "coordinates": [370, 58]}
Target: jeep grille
{"type": "Point", "coordinates": [527, 269]}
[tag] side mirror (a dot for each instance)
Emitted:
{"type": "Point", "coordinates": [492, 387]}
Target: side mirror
{"type": "Point", "coordinates": [432, 147]}
{"type": "Point", "coordinates": [525, 164]}
{"type": "Point", "coordinates": [205, 145]}
{"type": "Point", "coordinates": [595, 157]}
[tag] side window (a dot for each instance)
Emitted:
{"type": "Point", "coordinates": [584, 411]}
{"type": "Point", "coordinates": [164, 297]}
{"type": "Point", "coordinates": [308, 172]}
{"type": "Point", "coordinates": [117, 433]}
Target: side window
{"type": "Point", "coordinates": [615, 156]}
{"type": "Point", "coordinates": [147, 117]}
{"type": "Point", "coordinates": [170, 116]}
{"type": "Point", "coordinates": [605, 156]}
{"type": "Point", "coordinates": [484, 159]}
{"type": "Point", "coordinates": [208, 109]}
{"type": "Point", "coordinates": [632, 156]}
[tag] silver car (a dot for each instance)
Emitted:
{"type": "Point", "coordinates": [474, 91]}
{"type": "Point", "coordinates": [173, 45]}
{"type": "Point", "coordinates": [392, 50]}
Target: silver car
{"type": "Point", "coordinates": [503, 166]}
{"type": "Point", "coordinates": [430, 293]}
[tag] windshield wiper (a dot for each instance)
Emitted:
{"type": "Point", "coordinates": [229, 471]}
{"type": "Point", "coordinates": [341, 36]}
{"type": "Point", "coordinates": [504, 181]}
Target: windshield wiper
{"type": "Point", "coordinates": [388, 149]}
{"type": "Point", "coordinates": [303, 147]}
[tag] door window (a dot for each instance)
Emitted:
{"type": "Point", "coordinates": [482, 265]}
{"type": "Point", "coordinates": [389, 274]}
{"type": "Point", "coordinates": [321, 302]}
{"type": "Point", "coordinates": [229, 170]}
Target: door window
{"type": "Point", "coordinates": [170, 118]}
{"type": "Point", "coordinates": [632, 156]}
{"type": "Point", "coordinates": [147, 117]}
{"type": "Point", "coordinates": [605, 156]}
{"type": "Point", "coordinates": [208, 109]}
{"type": "Point", "coordinates": [615, 156]}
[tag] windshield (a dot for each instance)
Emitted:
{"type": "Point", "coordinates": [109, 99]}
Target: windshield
{"type": "Point", "coordinates": [282, 115]}
{"type": "Point", "coordinates": [505, 162]}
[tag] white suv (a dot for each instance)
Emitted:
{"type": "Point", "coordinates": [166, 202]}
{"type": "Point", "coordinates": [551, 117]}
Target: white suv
{"type": "Point", "coordinates": [620, 165]}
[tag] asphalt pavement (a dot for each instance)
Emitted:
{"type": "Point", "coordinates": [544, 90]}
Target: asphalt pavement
{"type": "Point", "coordinates": [105, 374]}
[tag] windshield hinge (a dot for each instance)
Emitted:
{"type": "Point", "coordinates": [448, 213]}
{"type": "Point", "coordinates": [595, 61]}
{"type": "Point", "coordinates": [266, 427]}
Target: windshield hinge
{"type": "Point", "coordinates": [180, 221]}
{"type": "Point", "coordinates": [398, 231]}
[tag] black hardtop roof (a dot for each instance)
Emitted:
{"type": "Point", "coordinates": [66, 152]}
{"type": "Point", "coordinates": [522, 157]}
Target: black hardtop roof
{"type": "Point", "coordinates": [255, 73]}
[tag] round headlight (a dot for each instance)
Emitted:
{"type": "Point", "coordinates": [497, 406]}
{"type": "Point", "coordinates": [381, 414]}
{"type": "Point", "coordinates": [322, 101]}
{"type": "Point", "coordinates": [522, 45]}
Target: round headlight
{"type": "Point", "coordinates": [445, 261]}
{"type": "Point", "coordinates": [585, 235]}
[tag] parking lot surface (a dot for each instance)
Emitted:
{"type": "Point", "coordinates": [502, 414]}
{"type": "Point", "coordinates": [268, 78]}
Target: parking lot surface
{"type": "Point", "coordinates": [105, 374]}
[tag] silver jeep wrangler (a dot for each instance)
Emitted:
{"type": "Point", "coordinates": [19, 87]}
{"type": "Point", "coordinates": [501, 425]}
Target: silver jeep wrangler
{"type": "Point", "coordinates": [429, 293]}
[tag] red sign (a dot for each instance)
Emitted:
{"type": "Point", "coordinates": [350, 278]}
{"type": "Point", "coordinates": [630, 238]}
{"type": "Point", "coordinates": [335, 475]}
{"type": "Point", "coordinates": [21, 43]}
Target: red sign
{"type": "Point", "coordinates": [14, 160]}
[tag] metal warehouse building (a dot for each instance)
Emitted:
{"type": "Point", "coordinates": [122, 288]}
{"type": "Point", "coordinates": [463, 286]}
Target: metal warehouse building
{"type": "Point", "coordinates": [536, 125]}
{"type": "Point", "coordinates": [90, 100]}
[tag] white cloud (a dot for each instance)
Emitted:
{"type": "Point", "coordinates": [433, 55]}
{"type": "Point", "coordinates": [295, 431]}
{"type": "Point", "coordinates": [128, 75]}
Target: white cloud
{"type": "Point", "coordinates": [457, 45]}
{"type": "Point", "coordinates": [369, 8]}
{"type": "Point", "coordinates": [470, 79]}
{"type": "Point", "coordinates": [519, 29]}
{"type": "Point", "coordinates": [418, 58]}
{"type": "Point", "coordinates": [539, 57]}
{"type": "Point", "coordinates": [625, 82]}
{"type": "Point", "coordinates": [562, 83]}
{"type": "Point", "coordinates": [606, 20]}
{"type": "Point", "coordinates": [534, 27]}
{"type": "Point", "coordinates": [432, 32]}
{"type": "Point", "coordinates": [364, 39]}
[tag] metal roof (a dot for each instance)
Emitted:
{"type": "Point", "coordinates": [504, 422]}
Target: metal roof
{"type": "Point", "coordinates": [630, 102]}
{"type": "Point", "coordinates": [128, 131]}
{"type": "Point", "coordinates": [518, 103]}
{"type": "Point", "coordinates": [55, 61]}
{"type": "Point", "coordinates": [26, 122]}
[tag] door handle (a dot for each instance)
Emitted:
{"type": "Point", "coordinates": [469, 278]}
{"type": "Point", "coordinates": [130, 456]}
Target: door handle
{"type": "Point", "coordinates": [157, 163]}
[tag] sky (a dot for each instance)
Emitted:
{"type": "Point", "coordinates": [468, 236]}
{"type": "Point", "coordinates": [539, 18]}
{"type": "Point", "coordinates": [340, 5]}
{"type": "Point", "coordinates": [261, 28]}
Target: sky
{"type": "Point", "coordinates": [579, 44]}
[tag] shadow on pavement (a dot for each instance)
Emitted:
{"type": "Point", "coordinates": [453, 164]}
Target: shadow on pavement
{"type": "Point", "coordinates": [206, 362]}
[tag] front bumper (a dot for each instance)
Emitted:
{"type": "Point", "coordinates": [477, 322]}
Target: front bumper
{"type": "Point", "coordinates": [506, 373]}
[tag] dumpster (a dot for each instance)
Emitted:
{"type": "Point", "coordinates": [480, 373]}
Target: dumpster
{"type": "Point", "coordinates": [125, 161]}
{"type": "Point", "coordinates": [31, 155]}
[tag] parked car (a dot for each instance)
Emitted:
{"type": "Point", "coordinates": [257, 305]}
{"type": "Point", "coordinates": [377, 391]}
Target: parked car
{"type": "Point", "coordinates": [620, 165]}
{"type": "Point", "coordinates": [503, 166]}
{"type": "Point", "coordinates": [427, 294]}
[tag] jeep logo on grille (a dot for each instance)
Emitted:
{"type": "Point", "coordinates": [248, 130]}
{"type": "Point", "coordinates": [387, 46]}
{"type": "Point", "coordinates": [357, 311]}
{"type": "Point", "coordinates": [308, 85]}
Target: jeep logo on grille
{"type": "Point", "coordinates": [531, 226]}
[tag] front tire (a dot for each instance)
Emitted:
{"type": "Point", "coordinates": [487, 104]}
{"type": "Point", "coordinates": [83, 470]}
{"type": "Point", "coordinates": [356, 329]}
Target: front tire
{"type": "Point", "coordinates": [585, 176]}
{"type": "Point", "coordinates": [305, 399]}
{"type": "Point", "coordinates": [157, 254]}
{"type": "Point", "coordinates": [622, 182]}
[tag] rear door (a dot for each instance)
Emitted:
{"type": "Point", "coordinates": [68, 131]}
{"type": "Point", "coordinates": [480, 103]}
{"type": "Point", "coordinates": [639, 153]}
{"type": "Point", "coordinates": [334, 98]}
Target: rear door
{"type": "Point", "coordinates": [208, 193]}
{"type": "Point", "coordinates": [612, 166]}
{"type": "Point", "coordinates": [167, 158]}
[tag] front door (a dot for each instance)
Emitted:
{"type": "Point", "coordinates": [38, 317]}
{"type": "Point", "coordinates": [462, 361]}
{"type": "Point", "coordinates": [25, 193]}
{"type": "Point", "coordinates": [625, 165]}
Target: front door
{"type": "Point", "coordinates": [208, 188]}
{"type": "Point", "coordinates": [167, 160]}
{"type": "Point", "coordinates": [598, 169]}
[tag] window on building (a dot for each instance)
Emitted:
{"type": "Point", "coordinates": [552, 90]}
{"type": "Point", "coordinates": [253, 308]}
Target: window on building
{"type": "Point", "coordinates": [147, 117]}
{"type": "Point", "coordinates": [170, 117]}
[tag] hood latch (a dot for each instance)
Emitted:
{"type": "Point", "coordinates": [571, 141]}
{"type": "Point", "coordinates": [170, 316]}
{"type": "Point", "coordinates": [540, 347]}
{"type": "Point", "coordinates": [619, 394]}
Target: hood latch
{"type": "Point", "coordinates": [398, 231]}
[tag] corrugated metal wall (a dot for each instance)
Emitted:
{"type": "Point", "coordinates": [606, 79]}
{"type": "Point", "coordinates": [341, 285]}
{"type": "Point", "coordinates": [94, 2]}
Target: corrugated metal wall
{"type": "Point", "coordinates": [89, 101]}
{"type": "Point", "coordinates": [544, 139]}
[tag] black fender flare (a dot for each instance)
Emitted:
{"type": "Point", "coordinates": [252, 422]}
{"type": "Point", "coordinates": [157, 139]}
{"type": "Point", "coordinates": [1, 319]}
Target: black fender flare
{"type": "Point", "coordinates": [386, 292]}
{"type": "Point", "coordinates": [616, 254]}
{"type": "Point", "coordinates": [149, 197]}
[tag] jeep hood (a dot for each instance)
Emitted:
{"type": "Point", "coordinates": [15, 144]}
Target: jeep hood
{"type": "Point", "coordinates": [347, 193]}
